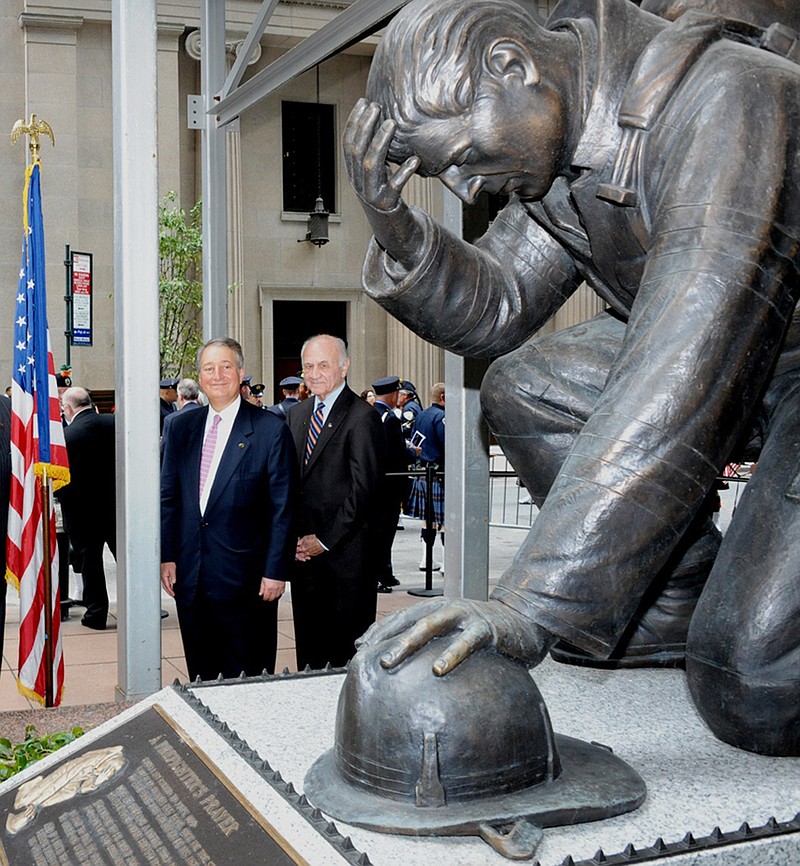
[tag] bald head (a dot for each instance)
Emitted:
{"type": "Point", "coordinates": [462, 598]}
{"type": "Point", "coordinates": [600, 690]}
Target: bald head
{"type": "Point", "coordinates": [325, 364]}
{"type": "Point", "coordinates": [75, 400]}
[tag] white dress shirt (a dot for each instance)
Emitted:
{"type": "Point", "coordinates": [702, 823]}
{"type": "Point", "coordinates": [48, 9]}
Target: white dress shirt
{"type": "Point", "coordinates": [328, 401]}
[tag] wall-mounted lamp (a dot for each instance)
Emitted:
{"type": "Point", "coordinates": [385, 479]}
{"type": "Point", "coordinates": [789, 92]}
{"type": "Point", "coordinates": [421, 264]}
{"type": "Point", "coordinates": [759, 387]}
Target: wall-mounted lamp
{"type": "Point", "coordinates": [317, 224]}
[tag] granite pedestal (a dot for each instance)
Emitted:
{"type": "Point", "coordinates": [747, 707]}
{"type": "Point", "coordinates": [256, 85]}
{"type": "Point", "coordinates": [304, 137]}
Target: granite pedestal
{"type": "Point", "coordinates": [264, 734]}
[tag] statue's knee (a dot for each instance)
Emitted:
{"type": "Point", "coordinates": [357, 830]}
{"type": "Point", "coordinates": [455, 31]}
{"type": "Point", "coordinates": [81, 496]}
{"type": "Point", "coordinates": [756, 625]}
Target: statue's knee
{"type": "Point", "coordinates": [496, 394]}
{"type": "Point", "coordinates": [757, 709]}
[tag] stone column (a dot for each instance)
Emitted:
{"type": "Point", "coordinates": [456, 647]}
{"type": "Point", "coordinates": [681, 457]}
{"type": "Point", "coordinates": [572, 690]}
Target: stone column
{"type": "Point", "coordinates": [169, 118]}
{"type": "Point", "coordinates": [583, 305]}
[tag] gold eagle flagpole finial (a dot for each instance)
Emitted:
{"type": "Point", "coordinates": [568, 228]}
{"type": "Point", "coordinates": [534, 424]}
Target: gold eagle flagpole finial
{"type": "Point", "coordinates": [34, 129]}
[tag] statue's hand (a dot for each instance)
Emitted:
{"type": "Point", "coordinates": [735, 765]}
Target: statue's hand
{"type": "Point", "coordinates": [472, 624]}
{"type": "Point", "coordinates": [365, 144]}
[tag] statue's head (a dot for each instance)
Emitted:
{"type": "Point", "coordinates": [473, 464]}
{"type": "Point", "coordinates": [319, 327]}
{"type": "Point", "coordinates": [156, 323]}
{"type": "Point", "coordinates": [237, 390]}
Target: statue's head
{"type": "Point", "coordinates": [477, 87]}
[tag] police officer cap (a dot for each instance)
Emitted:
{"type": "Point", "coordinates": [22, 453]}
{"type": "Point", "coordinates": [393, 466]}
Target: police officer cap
{"type": "Point", "coordinates": [170, 383]}
{"type": "Point", "coordinates": [63, 381]}
{"type": "Point", "coordinates": [246, 380]}
{"type": "Point", "coordinates": [257, 390]}
{"type": "Point", "coordinates": [291, 382]}
{"type": "Point", "coordinates": [405, 385]}
{"type": "Point", "coordinates": [386, 385]}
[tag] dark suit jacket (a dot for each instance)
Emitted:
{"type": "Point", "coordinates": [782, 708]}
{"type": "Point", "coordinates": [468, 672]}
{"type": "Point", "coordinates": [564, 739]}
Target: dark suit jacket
{"type": "Point", "coordinates": [339, 484]}
{"type": "Point", "coordinates": [165, 409]}
{"type": "Point", "coordinates": [166, 420]}
{"type": "Point", "coordinates": [245, 533]}
{"type": "Point", "coordinates": [88, 502]}
{"type": "Point", "coordinates": [282, 409]}
{"type": "Point", "coordinates": [397, 456]}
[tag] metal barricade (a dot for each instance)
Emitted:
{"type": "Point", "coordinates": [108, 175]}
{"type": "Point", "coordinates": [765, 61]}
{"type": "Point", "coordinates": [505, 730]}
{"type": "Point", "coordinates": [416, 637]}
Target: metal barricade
{"type": "Point", "coordinates": [430, 473]}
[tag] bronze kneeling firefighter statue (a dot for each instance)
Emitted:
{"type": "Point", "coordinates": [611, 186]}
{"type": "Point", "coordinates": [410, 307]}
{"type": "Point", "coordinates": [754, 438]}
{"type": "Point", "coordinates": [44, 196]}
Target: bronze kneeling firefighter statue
{"type": "Point", "coordinates": [659, 163]}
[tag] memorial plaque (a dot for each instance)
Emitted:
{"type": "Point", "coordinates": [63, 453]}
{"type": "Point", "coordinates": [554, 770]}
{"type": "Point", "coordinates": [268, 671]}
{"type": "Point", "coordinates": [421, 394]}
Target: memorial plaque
{"type": "Point", "coordinates": [144, 793]}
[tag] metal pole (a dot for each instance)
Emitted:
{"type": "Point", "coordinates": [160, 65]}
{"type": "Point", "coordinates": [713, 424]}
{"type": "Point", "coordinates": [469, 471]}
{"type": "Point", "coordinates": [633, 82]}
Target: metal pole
{"type": "Point", "coordinates": [361, 18]}
{"type": "Point", "coordinates": [430, 524]}
{"type": "Point", "coordinates": [137, 347]}
{"type": "Point", "coordinates": [214, 173]}
{"type": "Point", "coordinates": [47, 567]}
{"type": "Point", "coordinates": [466, 485]}
{"type": "Point", "coordinates": [466, 471]}
{"type": "Point", "coordinates": [431, 529]}
{"type": "Point", "coordinates": [68, 303]}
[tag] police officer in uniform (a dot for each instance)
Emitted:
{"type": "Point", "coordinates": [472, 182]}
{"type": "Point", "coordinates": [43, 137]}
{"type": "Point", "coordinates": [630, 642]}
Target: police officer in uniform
{"type": "Point", "coordinates": [290, 386]}
{"type": "Point", "coordinates": [257, 394]}
{"type": "Point", "coordinates": [394, 487]}
{"type": "Point", "coordinates": [168, 396]}
{"type": "Point", "coordinates": [408, 406]}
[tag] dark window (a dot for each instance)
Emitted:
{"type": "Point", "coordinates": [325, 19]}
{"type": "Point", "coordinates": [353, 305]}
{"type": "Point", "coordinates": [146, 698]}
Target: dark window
{"type": "Point", "coordinates": [293, 322]}
{"type": "Point", "coordinates": [309, 166]}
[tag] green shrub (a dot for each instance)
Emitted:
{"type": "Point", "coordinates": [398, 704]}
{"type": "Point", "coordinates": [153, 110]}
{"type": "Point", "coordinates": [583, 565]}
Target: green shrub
{"type": "Point", "coordinates": [14, 758]}
{"type": "Point", "coordinates": [180, 286]}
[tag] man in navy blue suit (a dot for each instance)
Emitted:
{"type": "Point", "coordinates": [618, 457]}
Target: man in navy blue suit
{"type": "Point", "coordinates": [227, 483]}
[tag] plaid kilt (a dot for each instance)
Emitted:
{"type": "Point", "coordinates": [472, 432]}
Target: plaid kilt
{"type": "Point", "coordinates": [415, 505]}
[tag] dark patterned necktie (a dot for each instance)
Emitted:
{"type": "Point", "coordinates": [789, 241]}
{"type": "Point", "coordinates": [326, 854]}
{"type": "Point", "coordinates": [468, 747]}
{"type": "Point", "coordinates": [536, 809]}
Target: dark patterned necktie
{"type": "Point", "coordinates": [314, 429]}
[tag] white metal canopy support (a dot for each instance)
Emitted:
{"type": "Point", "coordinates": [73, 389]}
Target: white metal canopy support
{"type": "Point", "coordinates": [466, 465]}
{"type": "Point", "coordinates": [253, 37]}
{"type": "Point", "coordinates": [361, 19]}
{"type": "Point", "coordinates": [214, 173]}
{"type": "Point", "coordinates": [136, 347]}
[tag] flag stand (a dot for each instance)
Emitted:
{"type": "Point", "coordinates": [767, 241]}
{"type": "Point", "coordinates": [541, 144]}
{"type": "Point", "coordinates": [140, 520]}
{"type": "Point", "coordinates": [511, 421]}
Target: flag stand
{"type": "Point", "coordinates": [47, 566]}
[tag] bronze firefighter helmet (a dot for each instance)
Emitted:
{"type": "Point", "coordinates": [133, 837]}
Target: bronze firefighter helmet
{"type": "Point", "coordinates": [472, 752]}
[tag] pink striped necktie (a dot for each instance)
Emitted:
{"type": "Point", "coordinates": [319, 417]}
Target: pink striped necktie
{"type": "Point", "coordinates": [207, 456]}
{"type": "Point", "coordinates": [314, 429]}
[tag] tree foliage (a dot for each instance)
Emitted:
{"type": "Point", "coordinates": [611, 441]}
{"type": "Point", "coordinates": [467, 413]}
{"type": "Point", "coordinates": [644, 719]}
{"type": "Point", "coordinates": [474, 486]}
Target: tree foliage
{"type": "Point", "coordinates": [180, 254]}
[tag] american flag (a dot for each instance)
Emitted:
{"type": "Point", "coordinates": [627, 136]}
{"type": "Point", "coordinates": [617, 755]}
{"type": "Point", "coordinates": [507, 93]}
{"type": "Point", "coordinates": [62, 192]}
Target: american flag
{"type": "Point", "coordinates": [38, 452]}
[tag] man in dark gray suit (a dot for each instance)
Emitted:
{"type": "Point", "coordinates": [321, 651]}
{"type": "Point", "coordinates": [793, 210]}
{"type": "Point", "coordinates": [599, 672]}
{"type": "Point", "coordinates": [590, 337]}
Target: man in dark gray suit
{"type": "Point", "coordinates": [341, 451]}
{"type": "Point", "coordinates": [88, 502]}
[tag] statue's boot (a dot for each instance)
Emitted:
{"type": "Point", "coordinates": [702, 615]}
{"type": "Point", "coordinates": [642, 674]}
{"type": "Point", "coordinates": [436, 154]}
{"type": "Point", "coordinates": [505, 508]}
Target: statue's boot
{"type": "Point", "coordinates": [656, 636]}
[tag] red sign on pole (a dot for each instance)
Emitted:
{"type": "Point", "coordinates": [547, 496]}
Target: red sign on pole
{"type": "Point", "coordinates": [81, 299]}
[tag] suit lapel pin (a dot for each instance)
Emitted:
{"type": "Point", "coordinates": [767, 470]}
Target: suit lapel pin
{"type": "Point", "coordinates": [241, 444]}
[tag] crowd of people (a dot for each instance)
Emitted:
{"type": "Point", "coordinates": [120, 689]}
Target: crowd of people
{"type": "Point", "coordinates": [310, 490]}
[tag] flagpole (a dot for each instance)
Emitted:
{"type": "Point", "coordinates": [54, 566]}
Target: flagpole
{"type": "Point", "coordinates": [47, 565]}
{"type": "Point", "coordinates": [40, 464]}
